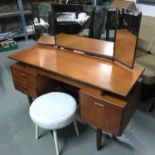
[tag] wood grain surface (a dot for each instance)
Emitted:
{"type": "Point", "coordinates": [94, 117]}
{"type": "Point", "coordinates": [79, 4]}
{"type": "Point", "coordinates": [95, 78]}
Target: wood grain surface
{"type": "Point", "coordinates": [88, 45]}
{"type": "Point", "coordinates": [103, 74]}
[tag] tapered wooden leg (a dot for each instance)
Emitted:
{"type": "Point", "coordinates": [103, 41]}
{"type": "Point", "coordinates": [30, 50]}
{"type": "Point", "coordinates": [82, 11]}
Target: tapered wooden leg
{"type": "Point", "coordinates": [113, 136]}
{"type": "Point", "coordinates": [152, 107]}
{"type": "Point", "coordinates": [30, 99]}
{"type": "Point", "coordinates": [98, 138]}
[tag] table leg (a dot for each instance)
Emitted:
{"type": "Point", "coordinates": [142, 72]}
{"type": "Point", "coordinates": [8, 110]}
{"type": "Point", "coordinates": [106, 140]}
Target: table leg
{"type": "Point", "coordinates": [98, 138]}
{"type": "Point", "coordinates": [152, 107]}
{"type": "Point", "coordinates": [30, 99]}
{"type": "Point", "coordinates": [107, 34]}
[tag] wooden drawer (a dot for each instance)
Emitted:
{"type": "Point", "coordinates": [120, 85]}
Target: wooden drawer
{"type": "Point", "coordinates": [23, 76]}
{"type": "Point", "coordinates": [93, 111]}
{"type": "Point", "coordinates": [26, 89]}
{"type": "Point", "coordinates": [107, 111]}
{"type": "Point", "coordinates": [101, 110]}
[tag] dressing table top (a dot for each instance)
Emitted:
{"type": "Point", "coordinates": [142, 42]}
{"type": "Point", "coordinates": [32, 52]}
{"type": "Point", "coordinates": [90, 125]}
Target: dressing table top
{"type": "Point", "coordinates": [104, 74]}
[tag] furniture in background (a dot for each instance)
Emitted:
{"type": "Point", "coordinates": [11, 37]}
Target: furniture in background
{"type": "Point", "coordinates": [84, 20]}
{"type": "Point", "coordinates": [41, 15]}
{"type": "Point", "coordinates": [145, 56]}
{"type": "Point", "coordinates": [88, 29]}
{"type": "Point", "coordinates": [55, 17]}
{"type": "Point", "coordinates": [93, 27]}
{"type": "Point", "coordinates": [106, 99]}
{"type": "Point", "coordinates": [100, 21]}
{"type": "Point", "coordinates": [112, 24]}
{"type": "Point", "coordinates": [68, 18]}
{"type": "Point", "coordinates": [16, 18]}
{"type": "Point", "coordinates": [53, 111]}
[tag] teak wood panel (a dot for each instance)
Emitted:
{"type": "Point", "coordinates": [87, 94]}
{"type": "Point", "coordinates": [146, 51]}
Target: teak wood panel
{"type": "Point", "coordinates": [24, 77]}
{"type": "Point", "coordinates": [24, 81]}
{"type": "Point", "coordinates": [88, 45]}
{"type": "Point", "coordinates": [108, 112]}
{"type": "Point", "coordinates": [93, 111]}
{"type": "Point", "coordinates": [103, 74]}
{"type": "Point", "coordinates": [125, 46]}
{"type": "Point", "coordinates": [26, 89]}
{"type": "Point", "coordinates": [30, 82]}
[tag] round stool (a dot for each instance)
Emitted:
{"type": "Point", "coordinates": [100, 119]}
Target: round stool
{"type": "Point", "coordinates": [53, 111]}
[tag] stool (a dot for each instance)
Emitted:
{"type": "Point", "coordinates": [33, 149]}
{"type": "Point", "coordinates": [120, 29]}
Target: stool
{"type": "Point", "coordinates": [53, 111]}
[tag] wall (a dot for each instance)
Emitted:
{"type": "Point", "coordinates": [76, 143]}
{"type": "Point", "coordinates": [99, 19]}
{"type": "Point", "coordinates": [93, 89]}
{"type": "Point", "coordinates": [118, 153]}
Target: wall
{"type": "Point", "coordinates": [147, 10]}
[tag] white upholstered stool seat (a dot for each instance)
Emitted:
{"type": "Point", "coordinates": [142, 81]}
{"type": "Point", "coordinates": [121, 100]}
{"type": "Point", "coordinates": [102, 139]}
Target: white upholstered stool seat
{"type": "Point", "coordinates": [53, 111]}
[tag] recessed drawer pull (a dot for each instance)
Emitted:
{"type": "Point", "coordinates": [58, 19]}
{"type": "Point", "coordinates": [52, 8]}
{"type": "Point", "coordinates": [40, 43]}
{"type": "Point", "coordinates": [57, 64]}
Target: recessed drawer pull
{"type": "Point", "coordinates": [24, 87]}
{"type": "Point", "coordinates": [22, 74]}
{"type": "Point", "coordinates": [98, 104]}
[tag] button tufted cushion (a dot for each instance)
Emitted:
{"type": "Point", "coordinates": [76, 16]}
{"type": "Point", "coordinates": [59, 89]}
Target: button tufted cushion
{"type": "Point", "coordinates": [153, 48]}
{"type": "Point", "coordinates": [140, 53]}
{"type": "Point", "coordinates": [147, 61]}
{"type": "Point", "coordinates": [146, 37]}
{"type": "Point", "coordinates": [53, 110]}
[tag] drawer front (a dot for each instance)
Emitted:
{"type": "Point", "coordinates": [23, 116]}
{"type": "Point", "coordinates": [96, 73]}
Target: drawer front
{"type": "Point", "coordinates": [93, 111]}
{"type": "Point", "coordinates": [26, 89]}
{"type": "Point", "coordinates": [24, 77]}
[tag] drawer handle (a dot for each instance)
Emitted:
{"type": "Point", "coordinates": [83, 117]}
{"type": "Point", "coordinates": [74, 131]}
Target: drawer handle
{"type": "Point", "coordinates": [24, 87]}
{"type": "Point", "coordinates": [23, 75]}
{"type": "Point", "coordinates": [99, 104]}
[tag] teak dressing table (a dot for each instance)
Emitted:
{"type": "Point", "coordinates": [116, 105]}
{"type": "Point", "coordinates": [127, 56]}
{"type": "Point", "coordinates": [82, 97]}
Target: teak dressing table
{"type": "Point", "coordinates": [106, 90]}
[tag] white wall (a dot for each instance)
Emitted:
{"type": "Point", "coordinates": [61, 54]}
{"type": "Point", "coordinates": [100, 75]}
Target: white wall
{"type": "Point", "coordinates": [147, 10]}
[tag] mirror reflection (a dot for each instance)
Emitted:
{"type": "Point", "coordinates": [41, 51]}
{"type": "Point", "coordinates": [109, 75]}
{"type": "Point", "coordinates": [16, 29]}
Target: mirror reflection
{"type": "Point", "coordinates": [79, 19]}
{"type": "Point", "coordinates": [126, 36]}
{"type": "Point", "coordinates": [105, 32]}
{"type": "Point", "coordinates": [84, 26]}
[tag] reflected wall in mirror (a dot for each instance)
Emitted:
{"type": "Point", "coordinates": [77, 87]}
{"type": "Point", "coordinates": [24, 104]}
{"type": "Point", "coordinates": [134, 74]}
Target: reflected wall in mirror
{"type": "Point", "coordinates": [83, 20]}
{"type": "Point", "coordinates": [79, 19]}
{"type": "Point", "coordinates": [41, 18]}
{"type": "Point", "coordinates": [43, 30]}
{"type": "Point", "coordinates": [126, 37]}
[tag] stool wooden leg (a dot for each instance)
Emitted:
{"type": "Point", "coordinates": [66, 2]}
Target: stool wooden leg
{"type": "Point", "coordinates": [76, 128]}
{"type": "Point", "coordinates": [56, 141]}
{"type": "Point", "coordinates": [36, 131]}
